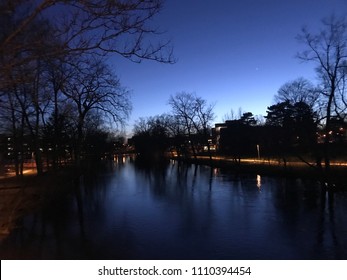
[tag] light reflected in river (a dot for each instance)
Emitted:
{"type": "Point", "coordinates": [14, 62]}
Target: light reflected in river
{"type": "Point", "coordinates": [258, 181]}
{"type": "Point", "coordinates": [178, 211]}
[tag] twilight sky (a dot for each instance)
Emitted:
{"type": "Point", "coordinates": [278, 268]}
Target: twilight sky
{"type": "Point", "coordinates": [235, 54]}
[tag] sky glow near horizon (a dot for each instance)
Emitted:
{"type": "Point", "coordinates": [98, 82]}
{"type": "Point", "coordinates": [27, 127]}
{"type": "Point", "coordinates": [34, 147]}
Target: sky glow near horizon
{"type": "Point", "coordinates": [234, 54]}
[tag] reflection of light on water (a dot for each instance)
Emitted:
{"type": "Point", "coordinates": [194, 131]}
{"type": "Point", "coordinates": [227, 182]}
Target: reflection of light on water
{"type": "Point", "coordinates": [259, 181]}
{"type": "Point", "coordinates": [215, 171]}
{"type": "Point", "coordinates": [119, 159]}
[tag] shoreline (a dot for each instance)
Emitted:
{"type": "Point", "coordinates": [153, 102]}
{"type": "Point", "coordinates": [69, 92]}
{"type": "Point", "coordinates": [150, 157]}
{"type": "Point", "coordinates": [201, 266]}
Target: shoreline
{"type": "Point", "coordinates": [337, 174]}
{"type": "Point", "coordinates": [22, 195]}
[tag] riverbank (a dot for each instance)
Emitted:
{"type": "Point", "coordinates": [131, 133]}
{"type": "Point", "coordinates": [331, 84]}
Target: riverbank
{"type": "Point", "coordinates": [292, 168]}
{"type": "Point", "coordinates": [22, 195]}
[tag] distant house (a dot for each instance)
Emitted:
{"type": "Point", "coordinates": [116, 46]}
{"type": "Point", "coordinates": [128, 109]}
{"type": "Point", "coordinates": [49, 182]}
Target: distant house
{"type": "Point", "coordinates": [241, 140]}
{"type": "Point", "coordinates": [8, 148]}
{"type": "Point", "coordinates": [237, 139]}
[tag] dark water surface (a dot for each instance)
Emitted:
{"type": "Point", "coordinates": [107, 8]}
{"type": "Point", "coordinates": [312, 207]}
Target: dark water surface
{"type": "Point", "coordinates": [185, 212]}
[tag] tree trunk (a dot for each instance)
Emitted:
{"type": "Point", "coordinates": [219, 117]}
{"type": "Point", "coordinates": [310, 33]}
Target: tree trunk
{"type": "Point", "coordinates": [79, 141]}
{"type": "Point", "coordinates": [328, 129]}
{"type": "Point", "coordinates": [38, 158]}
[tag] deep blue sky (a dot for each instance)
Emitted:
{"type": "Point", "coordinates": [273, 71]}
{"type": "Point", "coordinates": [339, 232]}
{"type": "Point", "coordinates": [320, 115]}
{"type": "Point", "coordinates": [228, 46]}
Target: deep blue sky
{"type": "Point", "coordinates": [235, 54]}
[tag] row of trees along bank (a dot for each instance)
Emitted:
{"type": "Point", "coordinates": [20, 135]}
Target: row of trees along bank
{"type": "Point", "coordinates": [55, 85]}
{"type": "Point", "coordinates": [305, 114]}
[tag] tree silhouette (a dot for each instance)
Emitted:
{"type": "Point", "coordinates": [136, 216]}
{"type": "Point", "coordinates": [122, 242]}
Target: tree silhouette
{"type": "Point", "coordinates": [195, 115]}
{"type": "Point", "coordinates": [44, 48]}
{"type": "Point", "coordinates": [248, 119]}
{"type": "Point", "coordinates": [93, 88]}
{"type": "Point", "coordinates": [152, 137]}
{"type": "Point", "coordinates": [298, 90]}
{"type": "Point", "coordinates": [294, 126]}
{"type": "Point", "coordinates": [327, 49]}
{"type": "Point", "coordinates": [120, 27]}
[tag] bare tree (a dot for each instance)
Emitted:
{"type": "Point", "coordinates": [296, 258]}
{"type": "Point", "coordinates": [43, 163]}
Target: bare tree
{"type": "Point", "coordinates": [298, 90]}
{"type": "Point", "coordinates": [229, 116]}
{"type": "Point", "coordinates": [141, 126]}
{"type": "Point", "coordinates": [121, 27]}
{"type": "Point", "coordinates": [328, 51]}
{"type": "Point", "coordinates": [94, 88]}
{"type": "Point", "coordinates": [194, 114]}
{"type": "Point", "coordinates": [183, 108]}
{"type": "Point", "coordinates": [340, 102]}
{"type": "Point", "coordinates": [205, 115]}
{"type": "Point", "coordinates": [33, 101]}
{"type": "Point", "coordinates": [57, 74]}
{"type": "Point", "coordinates": [39, 73]}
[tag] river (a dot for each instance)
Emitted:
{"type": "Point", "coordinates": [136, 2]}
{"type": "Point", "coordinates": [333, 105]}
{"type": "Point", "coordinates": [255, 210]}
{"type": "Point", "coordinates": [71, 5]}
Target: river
{"type": "Point", "coordinates": [179, 211]}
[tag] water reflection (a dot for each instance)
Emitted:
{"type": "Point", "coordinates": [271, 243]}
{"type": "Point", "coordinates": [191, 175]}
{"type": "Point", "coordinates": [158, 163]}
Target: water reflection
{"type": "Point", "coordinates": [258, 181]}
{"type": "Point", "coordinates": [172, 210]}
